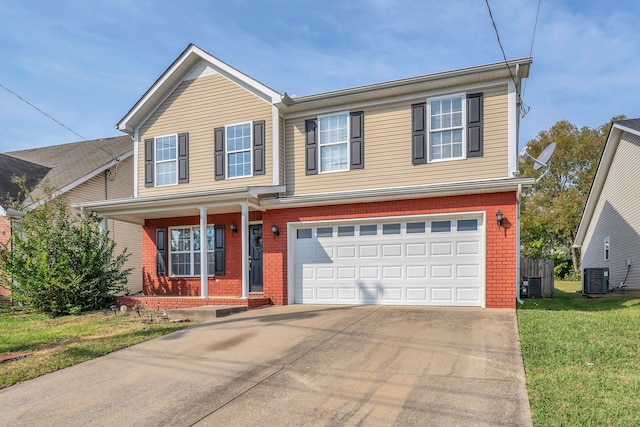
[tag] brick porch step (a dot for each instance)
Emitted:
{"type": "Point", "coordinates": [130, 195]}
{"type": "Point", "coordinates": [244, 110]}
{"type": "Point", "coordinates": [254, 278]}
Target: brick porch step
{"type": "Point", "coordinates": [173, 302]}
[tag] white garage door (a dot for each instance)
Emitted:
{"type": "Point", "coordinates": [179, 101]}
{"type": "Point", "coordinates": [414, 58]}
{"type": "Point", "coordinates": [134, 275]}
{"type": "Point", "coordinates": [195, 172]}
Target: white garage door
{"type": "Point", "coordinates": [420, 261]}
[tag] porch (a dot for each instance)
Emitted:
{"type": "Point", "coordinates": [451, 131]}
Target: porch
{"type": "Point", "coordinates": [160, 303]}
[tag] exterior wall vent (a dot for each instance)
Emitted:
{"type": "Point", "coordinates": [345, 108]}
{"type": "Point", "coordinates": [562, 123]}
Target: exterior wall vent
{"type": "Point", "coordinates": [595, 281]}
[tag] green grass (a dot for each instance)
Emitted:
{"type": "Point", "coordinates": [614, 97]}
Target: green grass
{"type": "Point", "coordinates": [55, 343]}
{"type": "Point", "coordinates": [582, 358]}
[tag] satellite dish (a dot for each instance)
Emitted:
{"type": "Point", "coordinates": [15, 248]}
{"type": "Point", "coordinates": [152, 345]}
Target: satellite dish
{"type": "Point", "coordinates": [543, 159]}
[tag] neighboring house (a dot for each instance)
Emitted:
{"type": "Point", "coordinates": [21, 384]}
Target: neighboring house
{"type": "Point", "coordinates": [379, 194]}
{"type": "Point", "coordinates": [609, 231]}
{"type": "Point", "coordinates": [100, 169]}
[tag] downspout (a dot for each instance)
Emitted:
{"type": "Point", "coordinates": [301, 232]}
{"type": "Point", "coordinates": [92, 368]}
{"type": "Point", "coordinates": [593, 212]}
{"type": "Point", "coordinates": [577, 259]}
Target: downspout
{"type": "Point", "coordinates": [518, 299]}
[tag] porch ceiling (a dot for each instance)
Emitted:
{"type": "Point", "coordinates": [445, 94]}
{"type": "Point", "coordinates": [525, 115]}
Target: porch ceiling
{"type": "Point", "coordinates": [138, 210]}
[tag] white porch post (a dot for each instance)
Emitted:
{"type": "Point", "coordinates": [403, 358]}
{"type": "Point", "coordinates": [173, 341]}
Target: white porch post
{"type": "Point", "coordinates": [204, 288]}
{"type": "Point", "coordinates": [245, 250]}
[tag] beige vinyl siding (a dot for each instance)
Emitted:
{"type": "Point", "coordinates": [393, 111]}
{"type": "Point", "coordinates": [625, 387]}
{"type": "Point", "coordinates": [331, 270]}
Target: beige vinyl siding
{"type": "Point", "coordinates": [197, 107]}
{"type": "Point", "coordinates": [387, 151]}
{"type": "Point", "coordinates": [281, 139]}
{"type": "Point", "coordinates": [123, 234]}
{"type": "Point", "coordinates": [617, 215]}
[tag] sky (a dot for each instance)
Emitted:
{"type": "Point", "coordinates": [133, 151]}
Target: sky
{"type": "Point", "coordinates": [86, 63]}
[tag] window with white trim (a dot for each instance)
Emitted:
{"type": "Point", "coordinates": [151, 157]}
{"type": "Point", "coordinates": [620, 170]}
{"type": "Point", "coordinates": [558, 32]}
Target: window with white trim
{"type": "Point", "coordinates": [184, 247]}
{"type": "Point", "coordinates": [166, 160]}
{"type": "Point", "coordinates": [607, 248]}
{"type": "Point", "coordinates": [446, 127]}
{"type": "Point", "coordinates": [238, 143]}
{"type": "Point", "coordinates": [333, 131]}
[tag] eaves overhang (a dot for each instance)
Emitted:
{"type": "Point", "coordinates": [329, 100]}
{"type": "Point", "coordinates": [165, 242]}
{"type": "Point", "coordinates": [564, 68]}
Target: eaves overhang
{"type": "Point", "coordinates": [400, 193]}
{"type": "Point", "coordinates": [606, 159]}
{"type": "Point", "coordinates": [173, 75]}
{"type": "Point", "coordinates": [137, 210]}
{"type": "Point", "coordinates": [517, 68]}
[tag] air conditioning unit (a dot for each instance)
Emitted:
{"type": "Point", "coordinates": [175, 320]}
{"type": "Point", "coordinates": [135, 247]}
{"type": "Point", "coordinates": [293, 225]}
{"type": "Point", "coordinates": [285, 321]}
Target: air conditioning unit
{"type": "Point", "coordinates": [595, 281]}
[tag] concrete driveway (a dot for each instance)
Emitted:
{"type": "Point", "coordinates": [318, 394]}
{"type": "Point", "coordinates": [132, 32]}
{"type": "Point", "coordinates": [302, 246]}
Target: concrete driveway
{"type": "Point", "coordinates": [297, 365]}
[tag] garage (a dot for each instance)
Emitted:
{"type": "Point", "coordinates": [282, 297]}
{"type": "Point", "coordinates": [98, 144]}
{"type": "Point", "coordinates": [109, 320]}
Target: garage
{"type": "Point", "coordinates": [435, 260]}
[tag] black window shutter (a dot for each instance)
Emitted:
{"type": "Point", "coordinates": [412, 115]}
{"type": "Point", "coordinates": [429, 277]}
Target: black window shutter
{"type": "Point", "coordinates": [474, 125]}
{"type": "Point", "coordinates": [218, 148]}
{"type": "Point", "coordinates": [161, 251]}
{"type": "Point", "coordinates": [148, 162]}
{"type": "Point", "coordinates": [419, 133]}
{"type": "Point", "coordinates": [311, 146]}
{"type": "Point", "coordinates": [183, 158]}
{"type": "Point", "coordinates": [258, 148]}
{"type": "Point", "coordinates": [219, 250]}
{"type": "Point", "coordinates": [357, 140]}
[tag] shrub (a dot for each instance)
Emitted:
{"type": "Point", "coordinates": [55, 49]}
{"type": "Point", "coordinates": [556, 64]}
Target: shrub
{"type": "Point", "coordinates": [61, 262]}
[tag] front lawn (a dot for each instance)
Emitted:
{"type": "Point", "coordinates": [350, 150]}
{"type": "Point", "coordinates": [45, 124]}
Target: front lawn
{"type": "Point", "coordinates": [582, 358]}
{"type": "Point", "coordinates": [56, 343]}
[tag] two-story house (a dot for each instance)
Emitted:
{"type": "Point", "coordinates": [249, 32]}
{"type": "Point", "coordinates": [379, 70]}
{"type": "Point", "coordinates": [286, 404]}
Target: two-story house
{"type": "Point", "coordinates": [403, 192]}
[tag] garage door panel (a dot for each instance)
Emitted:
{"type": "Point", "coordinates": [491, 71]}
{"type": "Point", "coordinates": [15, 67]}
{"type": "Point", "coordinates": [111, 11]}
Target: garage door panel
{"type": "Point", "coordinates": [392, 272]}
{"type": "Point", "coordinates": [346, 252]}
{"type": "Point", "coordinates": [441, 249]}
{"type": "Point", "coordinates": [408, 265]}
{"type": "Point", "coordinates": [416, 249]}
{"type": "Point", "coordinates": [391, 250]}
{"type": "Point", "coordinates": [368, 251]}
{"type": "Point", "coordinates": [325, 273]}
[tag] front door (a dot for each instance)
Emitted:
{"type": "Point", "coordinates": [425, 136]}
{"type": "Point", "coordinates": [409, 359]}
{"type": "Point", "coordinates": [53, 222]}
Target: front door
{"type": "Point", "coordinates": [255, 258]}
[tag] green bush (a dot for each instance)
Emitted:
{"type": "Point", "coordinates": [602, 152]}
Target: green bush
{"type": "Point", "coordinates": [61, 262]}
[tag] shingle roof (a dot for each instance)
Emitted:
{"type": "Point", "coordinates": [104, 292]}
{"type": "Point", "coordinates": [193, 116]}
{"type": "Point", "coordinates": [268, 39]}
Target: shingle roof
{"type": "Point", "coordinates": [10, 167]}
{"type": "Point", "coordinates": [70, 162]}
{"type": "Point", "coordinates": [631, 123]}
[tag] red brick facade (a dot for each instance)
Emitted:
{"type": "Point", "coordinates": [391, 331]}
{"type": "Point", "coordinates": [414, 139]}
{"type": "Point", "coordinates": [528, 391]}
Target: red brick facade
{"type": "Point", "coordinates": [500, 244]}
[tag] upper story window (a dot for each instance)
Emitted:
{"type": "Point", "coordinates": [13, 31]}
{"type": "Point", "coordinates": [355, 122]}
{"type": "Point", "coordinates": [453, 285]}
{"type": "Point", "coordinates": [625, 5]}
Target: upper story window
{"type": "Point", "coordinates": [333, 141]}
{"type": "Point", "coordinates": [239, 150]}
{"type": "Point", "coordinates": [166, 155]}
{"type": "Point", "coordinates": [446, 128]}
{"type": "Point", "coordinates": [166, 160]}
{"type": "Point", "coordinates": [239, 146]}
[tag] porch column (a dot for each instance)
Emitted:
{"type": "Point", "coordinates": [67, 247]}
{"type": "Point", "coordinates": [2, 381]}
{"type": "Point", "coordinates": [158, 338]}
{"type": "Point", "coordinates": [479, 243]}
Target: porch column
{"type": "Point", "coordinates": [245, 249]}
{"type": "Point", "coordinates": [204, 288]}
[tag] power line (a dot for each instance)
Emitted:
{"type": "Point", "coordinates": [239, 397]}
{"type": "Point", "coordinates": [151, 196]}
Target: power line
{"type": "Point", "coordinates": [535, 26]}
{"type": "Point", "coordinates": [523, 108]}
{"type": "Point", "coordinates": [58, 122]}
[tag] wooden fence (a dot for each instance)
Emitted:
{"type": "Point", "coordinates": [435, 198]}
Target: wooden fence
{"type": "Point", "coordinates": [538, 267]}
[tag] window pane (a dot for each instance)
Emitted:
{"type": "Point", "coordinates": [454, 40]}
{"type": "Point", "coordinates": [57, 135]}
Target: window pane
{"type": "Point", "coordinates": [181, 264]}
{"type": "Point", "coordinates": [416, 227]}
{"type": "Point", "coordinates": [369, 230]}
{"type": "Point", "coordinates": [166, 173]}
{"type": "Point", "coordinates": [211, 239]}
{"type": "Point", "coordinates": [333, 157]}
{"type": "Point", "coordinates": [166, 148]}
{"type": "Point", "coordinates": [304, 233]}
{"type": "Point", "coordinates": [239, 164]}
{"type": "Point", "coordinates": [346, 231]}
{"type": "Point", "coordinates": [325, 231]}
{"type": "Point", "coordinates": [467, 224]}
{"type": "Point", "coordinates": [390, 228]}
{"type": "Point", "coordinates": [440, 226]}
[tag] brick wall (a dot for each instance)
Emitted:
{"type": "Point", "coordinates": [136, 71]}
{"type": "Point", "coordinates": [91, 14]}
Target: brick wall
{"type": "Point", "coordinates": [229, 284]}
{"type": "Point", "coordinates": [500, 244]}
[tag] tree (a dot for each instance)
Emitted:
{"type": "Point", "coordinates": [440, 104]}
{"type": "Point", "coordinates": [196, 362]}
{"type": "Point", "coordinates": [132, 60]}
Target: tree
{"type": "Point", "coordinates": [60, 262]}
{"type": "Point", "coordinates": [551, 213]}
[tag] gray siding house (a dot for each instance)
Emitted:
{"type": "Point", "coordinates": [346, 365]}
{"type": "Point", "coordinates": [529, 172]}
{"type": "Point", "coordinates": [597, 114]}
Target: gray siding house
{"type": "Point", "coordinates": [609, 232]}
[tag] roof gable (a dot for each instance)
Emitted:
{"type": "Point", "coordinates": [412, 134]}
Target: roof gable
{"type": "Point", "coordinates": [69, 165]}
{"type": "Point", "coordinates": [192, 63]}
{"type": "Point", "coordinates": [608, 153]}
{"type": "Point", "coordinates": [12, 167]}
